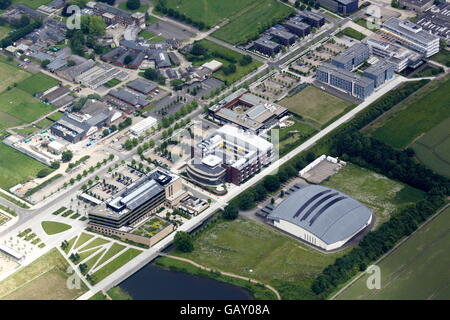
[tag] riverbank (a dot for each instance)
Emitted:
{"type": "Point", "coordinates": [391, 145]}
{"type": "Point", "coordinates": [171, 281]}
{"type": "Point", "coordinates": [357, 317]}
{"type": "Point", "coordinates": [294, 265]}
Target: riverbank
{"type": "Point", "coordinates": [257, 291]}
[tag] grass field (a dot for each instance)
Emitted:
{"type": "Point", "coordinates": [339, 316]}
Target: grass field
{"type": "Point", "coordinates": [10, 74]}
{"type": "Point", "coordinates": [316, 106]}
{"type": "Point", "coordinates": [290, 138]}
{"type": "Point", "coordinates": [252, 20]}
{"type": "Point", "coordinates": [415, 116]}
{"type": "Point", "coordinates": [43, 279]}
{"type": "Point", "coordinates": [241, 71]}
{"type": "Point", "coordinates": [142, 8]}
{"type": "Point", "coordinates": [442, 57]}
{"type": "Point", "coordinates": [352, 33]}
{"type": "Point", "coordinates": [150, 36]}
{"type": "Point", "coordinates": [38, 82]}
{"type": "Point", "coordinates": [433, 148]}
{"type": "Point", "coordinates": [52, 227]}
{"type": "Point", "coordinates": [4, 31]}
{"type": "Point", "coordinates": [112, 251]}
{"type": "Point", "coordinates": [418, 269]}
{"type": "Point", "coordinates": [211, 12]}
{"type": "Point", "coordinates": [44, 123]}
{"type": "Point", "coordinates": [16, 167]}
{"type": "Point", "coordinates": [240, 245]}
{"type": "Point", "coordinates": [33, 4]}
{"type": "Point", "coordinates": [82, 239]}
{"type": "Point", "coordinates": [115, 264]}
{"type": "Point", "coordinates": [26, 131]}
{"type": "Point", "coordinates": [376, 191]}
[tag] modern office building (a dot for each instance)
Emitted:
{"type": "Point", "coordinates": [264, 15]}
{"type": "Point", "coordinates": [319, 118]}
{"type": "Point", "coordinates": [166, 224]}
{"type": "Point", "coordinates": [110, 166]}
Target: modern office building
{"type": "Point", "coordinates": [284, 37]}
{"type": "Point", "coordinates": [380, 72]}
{"type": "Point", "coordinates": [314, 19]}
{"type": "Point", "coordinates": [398, 55]}
{"type": "Point", "coordinates": [340, 6]}
{"type": "Point", "coordinates": [346, 81]}
{"type": "Point", "coordinates": [137, 201]}
{"type": "Point", "coordinates": [247, 111]}
{"type": "Point", "coordinates": [321, 216]}
{"type": "Point", "coordinates": [266, 46]}
{"type": "Point", "coordinates": [410, 35]}
{"type": "Point", "coordinates": [415, 5]}
{"type": "Point", "coordinates": [352, 57]}
{"type": "Point", "coordinates": [297, 26]}
{"type": "Point", "coordinates": [229, 154]}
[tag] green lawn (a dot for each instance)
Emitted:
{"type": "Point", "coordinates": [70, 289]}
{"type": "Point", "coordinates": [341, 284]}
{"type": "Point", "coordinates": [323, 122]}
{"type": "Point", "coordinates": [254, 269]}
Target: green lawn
{"type": "Point", "coordinates": [44, 279]}
{"type": "Point", "coordinates": [22, 106]}
{"type": "Point", "coordinates": [115, 264]}
{"type": "Point", "coordinates": [433, 148]}
{"type": "Point", "coordinates": [94, 243]}
{"type": "Point", "coordinates": [4, 31]}
{"type": "Point", "coordinates": [112, 251]}
{"type": "Point", "coordinates": [56, 116]}
{"type": "Point", "coordinates": [150, 36]}
{"type": "Point", "coordinates": [82, 239]}
{"type": "Point", "coordinates": [92, 261]}
{"type": "Point", "coordinates": [316, 106]}
{"type": "Point", "coordinates": [417, 270]}
{"type": "Point", "coordinates": [44, 123]}
{"type": "Point", "coordinates": [118, 293]}
{"type": "Point", "coordinates": [416, 115]}
{"type": "Point", "coordinates": [292, 136]}
{"type": "Point", "coordinates": [70, 244]}
{"type": "Point", "coordinates": [38, 82]}
{"type": "Point", "coordinates": [248, 23]}
{"type": "Point", "coordinates": [16, 167]}
{"type": "Point", "coordinates": [33, 4]}
{"type": "Point", "coordinates": [442, 57]}
{"type": "Point", "coordinates": [52, 227]}
{"type": "Point", "coordinates": [352, 33]}
{"type": "Point", "coordinates": [26, 131]}
{"type": "Point", "coordinates": [241, 71]}
{"type": "Point", "coordinates": [253, 249]}
{"type": "Point", "coordinates": [142, 8]}
{"type": "Point", "coordinates": [211, 12]}
{"type": "Point", "coordinates": [10, 74]}
{"type": "Point", "coordinates": [98, 296]}
{"type": "Point", "coordinates": [376, 191]}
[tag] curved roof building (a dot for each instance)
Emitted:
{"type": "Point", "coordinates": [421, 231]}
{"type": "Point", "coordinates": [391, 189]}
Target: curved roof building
{"type": "Point", "coordinates": [322, 216]}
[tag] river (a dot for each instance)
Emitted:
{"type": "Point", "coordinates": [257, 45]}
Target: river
{"type": "Point", "coordinates": [155, 283]}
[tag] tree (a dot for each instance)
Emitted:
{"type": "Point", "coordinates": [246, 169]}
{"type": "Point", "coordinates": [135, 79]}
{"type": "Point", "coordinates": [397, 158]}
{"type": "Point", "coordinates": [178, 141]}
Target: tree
{"type": "Point", "coordinates": [245, 60]}
{"type": "Point", "coordinates": [93, 25]}
{"type": "Point", "coordinates": [105, 132]}
{"type": "Point", "coordinates": [45, 63]}
{"type": "Point", "coordinates": [151, 74]}
{"type": "Point", "coordinates": [231, 212]}
{"type": "Point", "coordinates": [127, 59]}
{"type": "Point", "coordinates": [66, 156]}
{"type": "Point", "coordinates": [271, 183]}
{"type": "Point", "coordinates": [395, 4]}
{"type": "Point", "coordinates": [5, 4]}
{"type": "Point", "coordinates": [43, 173]}
{"type": "Point", "coordinates": [183, 241]}
{"type": "Point", "coordinates": [133, 4]}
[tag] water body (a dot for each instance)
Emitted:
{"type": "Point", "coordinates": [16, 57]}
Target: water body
{"type": "Point", "coordinates": [155, 283]}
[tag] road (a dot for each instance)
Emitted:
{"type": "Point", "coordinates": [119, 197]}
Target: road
{"type": "Point", "coordinates": [152, 253]}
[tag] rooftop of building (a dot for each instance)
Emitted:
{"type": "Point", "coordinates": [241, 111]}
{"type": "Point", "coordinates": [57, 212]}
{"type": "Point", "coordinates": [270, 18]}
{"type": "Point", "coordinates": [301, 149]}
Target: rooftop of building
{"type": "Point", "coordinates": [409, 29]}
{"type": "Point", "coordinates": [352, 52]}
{"type": "Point", "coordinates": [346, 75]}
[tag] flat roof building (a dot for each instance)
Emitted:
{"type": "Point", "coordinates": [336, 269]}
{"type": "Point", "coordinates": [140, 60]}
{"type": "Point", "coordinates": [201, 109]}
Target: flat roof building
{"type": "Point", "coordinates": [247, 111]}
{"type": "Point", "coordinates": [340, 6]}
{"type": "Point", "coordinates": [411, 35]}
{"type": "Point", "coordinates": [346, 81]}
{"type": "Point", "coordinates": [437, 20]}
{"type": "Point", "coordinates": [380, 72]}
{"type": "Point", "coordinates": [143, 125]}
{"type": "Point", "coordinates": [352, 57]}
{"type": "Point", "coordinates": [324, 217]}
{"type": "Point", "coordinates": [142, 86]}
{"type": "Point", "coordinates": [266, 46]}
{"type": "Point", "coordinates": [415, 5]}
{"type": "Point", "coordinates": [312, 18]}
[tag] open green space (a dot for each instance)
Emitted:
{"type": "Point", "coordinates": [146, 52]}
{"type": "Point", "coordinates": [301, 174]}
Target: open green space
{"type": "Point", "coordinates": [10, 74]}
{"type": "Point", "coordinates": [44, 279]}
{"type": "Point", "coordinates": [249, 22]}
{"type": "Point", "coordinates": [92, 261]}
{"type": "Point", "coordinates": [150, 36]}
{"type": "Point", "coordinates": [415, 116]}
{"type": "Point", "coordinates": [117, 293]}
{"type": "Point", "coordinates": [433, 148]}
{"type": "Point", "coordinates": [114, 265]}
{"type": "Point", "coordinates": [442, 57]}
{"type": "Point", "coordinates": [4, 31]}
{"type": "Point", "coordinates": [258, 291]}
{"type": "Point", "coordinates": [294, 135]}
{"type": "Point", "coordinates": [86, 254]}
{"type": "Point", "coordinates": [112, 83]}
{"type": "Point", "coordinates": [112, 251]}
{"type": "Point", "coordinates": [253, 249]}
{"type": "Point", "coordinates": [16, 167]}
{"type": "Point", "coordinates": [82, 239]}
{"type": "Point", "coordinates": [142, 8]}
{"type": "Point", "coordinates": [218, 52]}
{"type": "Point", "coordinates": [26, 131]}
{"type": "Point", "coordinates": [22, 106]}
{"type": "Point", "coordinates": [352, 33]}
{"type": "Point", "coordinates": [44, 123]}
{"type": "Point", "coordinates": [98, 296]}
{"type": "Point", "coordinates": [33, 4]}
{"type": "Point", "coordinates": [416, 270]}
{"type": "Point", "coordinates": [316, 106]}
{"type": "Point", "coordinates": [52, 227]}
{"type": "Point", "coordinates": [94, 243]}
{"type": "Point", "coordinates": [55, 116]}
{"type": "Point", "coordinates": [3, 219]}
{"type": "Point", "coordinates": [38, 82]}
{"type": "Point", "coordinates": [376, 191]}
{"type": "Point", "coordinates": [70, 245]}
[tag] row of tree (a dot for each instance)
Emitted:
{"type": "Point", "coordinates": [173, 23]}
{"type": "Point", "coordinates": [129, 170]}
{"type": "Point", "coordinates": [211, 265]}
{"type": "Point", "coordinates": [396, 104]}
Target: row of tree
{"type": "Point", "coordinates": [19, 33]}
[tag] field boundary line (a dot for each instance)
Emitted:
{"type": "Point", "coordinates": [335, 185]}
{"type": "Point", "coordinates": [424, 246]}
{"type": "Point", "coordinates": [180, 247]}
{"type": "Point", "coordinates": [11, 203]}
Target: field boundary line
{"type": "Point", "coordinates": [391, 251]}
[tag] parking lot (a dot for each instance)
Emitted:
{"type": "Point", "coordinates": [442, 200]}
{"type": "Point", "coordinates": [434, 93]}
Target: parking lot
{"type": "Point", "coordinates": [169, 31]}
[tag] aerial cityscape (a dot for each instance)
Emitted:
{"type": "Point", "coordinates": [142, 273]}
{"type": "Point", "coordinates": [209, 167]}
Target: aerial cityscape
{"type": "Point", "coordinates": [224, 150]}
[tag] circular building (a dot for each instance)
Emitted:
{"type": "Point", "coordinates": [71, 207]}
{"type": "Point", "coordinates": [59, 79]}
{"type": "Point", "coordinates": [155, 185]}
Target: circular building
{"type": "Point", "coordinates": [207, 171]}
{"type": "Point", "coordinates": [322, 216]}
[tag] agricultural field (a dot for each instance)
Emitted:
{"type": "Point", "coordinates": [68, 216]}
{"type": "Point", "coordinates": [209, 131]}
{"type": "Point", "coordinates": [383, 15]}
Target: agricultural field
{"type": "Point", "coordinates": [407, 121]}
{"type": "Point", "coordinates": [262, 14]}
{"type": "Point", "coordinates": [10, 74]}
{"type": "Point", "coordinates": [433, 148]}
{"type": "Point", "coordinates": [374, 190]}
{"type": "Point", "coordinates": [16, 167]}
{"type": "Point", "coordinates": [268, 256]}
{"type": "Point", "coordinates": [417, 269]}
{"type": "Point", "coordinates": [241, 71]}
{"type": "Point", "coordinates": [38, 82]}
{"type": "Point", "coordinates": [44, 279]}
{"type": "Point", "coordinates": [210, 12]}
{"type": "Point", "coordinates": [316, 106]}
